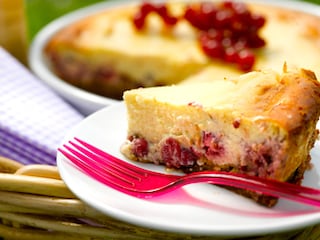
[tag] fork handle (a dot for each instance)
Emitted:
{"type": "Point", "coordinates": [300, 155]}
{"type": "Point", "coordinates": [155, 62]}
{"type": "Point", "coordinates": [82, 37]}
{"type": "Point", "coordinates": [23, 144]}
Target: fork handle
{"type": "Point", "coordinates": [270, 187]}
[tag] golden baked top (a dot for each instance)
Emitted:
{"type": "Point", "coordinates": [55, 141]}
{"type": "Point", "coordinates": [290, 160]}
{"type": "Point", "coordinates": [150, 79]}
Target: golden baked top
{"type": "Point", "coordinates": [289, 98]}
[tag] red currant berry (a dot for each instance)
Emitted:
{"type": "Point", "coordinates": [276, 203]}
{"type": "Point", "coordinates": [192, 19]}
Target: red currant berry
{"type": "Point", "coordinates": [161, 9]}
{"type": "Point", "coordinates": [213, 48]}
{"type": "Point", "coordinates": [231, 55]}
{"type": "Point", "coordinates": [193, 17]}
{"type": "Point", "coordinates": [138, 20]}
{"type": "Point", "coordinates": [146, 8]}
{"type": "Point", "coordinates": [207, 15]}
{"type": "Point", "coordinates": [140, 147]}
{"type": "Point", "coordinates": [246, 60]}
{"type": "Point", "coordinates": [223, 18]}
{"type": "Point", "coordinates": [215, 34]}
{"type": "Point", "coordinates": [170, 20]}
{"type": "Point", "coordinates": [257, 20]}
{"type": "Point", "coordinates": [255, 41]}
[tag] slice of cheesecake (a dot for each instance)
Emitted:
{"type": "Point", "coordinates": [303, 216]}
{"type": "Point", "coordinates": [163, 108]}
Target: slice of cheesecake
{"type": "Point", "coordinates": [104, 53]}
{"type": "Point", "coordinates": [262, 123]}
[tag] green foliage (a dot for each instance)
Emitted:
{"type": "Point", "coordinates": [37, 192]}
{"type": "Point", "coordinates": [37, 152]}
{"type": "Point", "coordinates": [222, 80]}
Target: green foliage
{"type": "Point", "coordinates": [41, 12]}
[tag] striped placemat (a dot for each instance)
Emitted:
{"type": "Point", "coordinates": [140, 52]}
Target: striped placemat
{"type": "Point", "coordinates": [33, 119]}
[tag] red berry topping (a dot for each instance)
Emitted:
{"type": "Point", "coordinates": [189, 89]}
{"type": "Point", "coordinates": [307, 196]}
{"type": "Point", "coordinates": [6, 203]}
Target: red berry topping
{"type": "Point", "coordinates": [258, 21]}
{"type": "Point", "coordinates": [231, 55]}
{"type": "Point", "coordinates": [246, 60]}
{"type": "Point", "coordinates": [146, 8]}
{"type": "Point", "coordinates": [228, 30]}
{"type": "Point", "coordinates": [213, 48]}
{"type": "Point", "coordinates": [138, 20]}
{"type": "Point", "coordinates": [161, 9]}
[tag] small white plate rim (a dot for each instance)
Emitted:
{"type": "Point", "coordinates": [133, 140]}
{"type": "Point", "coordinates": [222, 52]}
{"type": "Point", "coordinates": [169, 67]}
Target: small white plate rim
{"type": "Point", "coordinates": [247, 219]}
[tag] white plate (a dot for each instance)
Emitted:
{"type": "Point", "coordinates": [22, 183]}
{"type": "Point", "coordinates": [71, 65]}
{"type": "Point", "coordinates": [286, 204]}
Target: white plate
{"type": "Point", "coordinates": [85, 101]}
{"type": "Point", "coordinates": [196, 209]}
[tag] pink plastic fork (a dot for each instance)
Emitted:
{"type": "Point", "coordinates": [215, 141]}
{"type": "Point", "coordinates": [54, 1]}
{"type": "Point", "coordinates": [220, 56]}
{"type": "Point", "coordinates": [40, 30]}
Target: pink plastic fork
{"type": "Point", "coordinates": [142, 183]}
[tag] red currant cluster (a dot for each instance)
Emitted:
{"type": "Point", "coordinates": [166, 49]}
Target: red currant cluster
{"type": "Point", "coordinates": [146, 8]}
{"type": "Point", "coordinates": [228, 30]}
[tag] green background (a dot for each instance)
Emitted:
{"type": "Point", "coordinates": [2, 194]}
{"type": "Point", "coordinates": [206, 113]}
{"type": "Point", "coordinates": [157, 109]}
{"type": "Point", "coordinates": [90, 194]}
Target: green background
{"type": "Point", "coordinates": [41, 12]}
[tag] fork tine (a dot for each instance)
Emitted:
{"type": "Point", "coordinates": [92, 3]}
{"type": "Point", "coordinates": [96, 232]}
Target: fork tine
{"type": "Point", "coordinates": [104, 162]}
{"type": "Point", "coordinates": [90, 161]}
{"type": "Point", "coordinates": [99, 175]}
{"type": "Point", "coordinates": [125, 167]}
{"type": "Point", "coordinates": [105, 174]}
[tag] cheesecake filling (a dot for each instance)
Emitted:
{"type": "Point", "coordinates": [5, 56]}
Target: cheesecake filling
{"type": "Point", "coordinates": [213, 151]}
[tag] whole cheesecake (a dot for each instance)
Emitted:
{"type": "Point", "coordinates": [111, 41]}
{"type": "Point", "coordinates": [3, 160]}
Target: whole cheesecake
{"type": "Point", "coordinates": [262, 123]}
{"type": "Point", "coordinates": [111, 51]}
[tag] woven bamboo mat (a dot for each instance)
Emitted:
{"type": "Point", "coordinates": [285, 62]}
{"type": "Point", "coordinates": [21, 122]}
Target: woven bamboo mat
{"type": "Point", "coordinates": [35, 204]}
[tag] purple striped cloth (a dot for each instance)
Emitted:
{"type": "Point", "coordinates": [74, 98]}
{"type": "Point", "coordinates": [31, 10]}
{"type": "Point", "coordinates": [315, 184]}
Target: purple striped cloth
{"type": "Point", "coordinates": [33, 119]}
